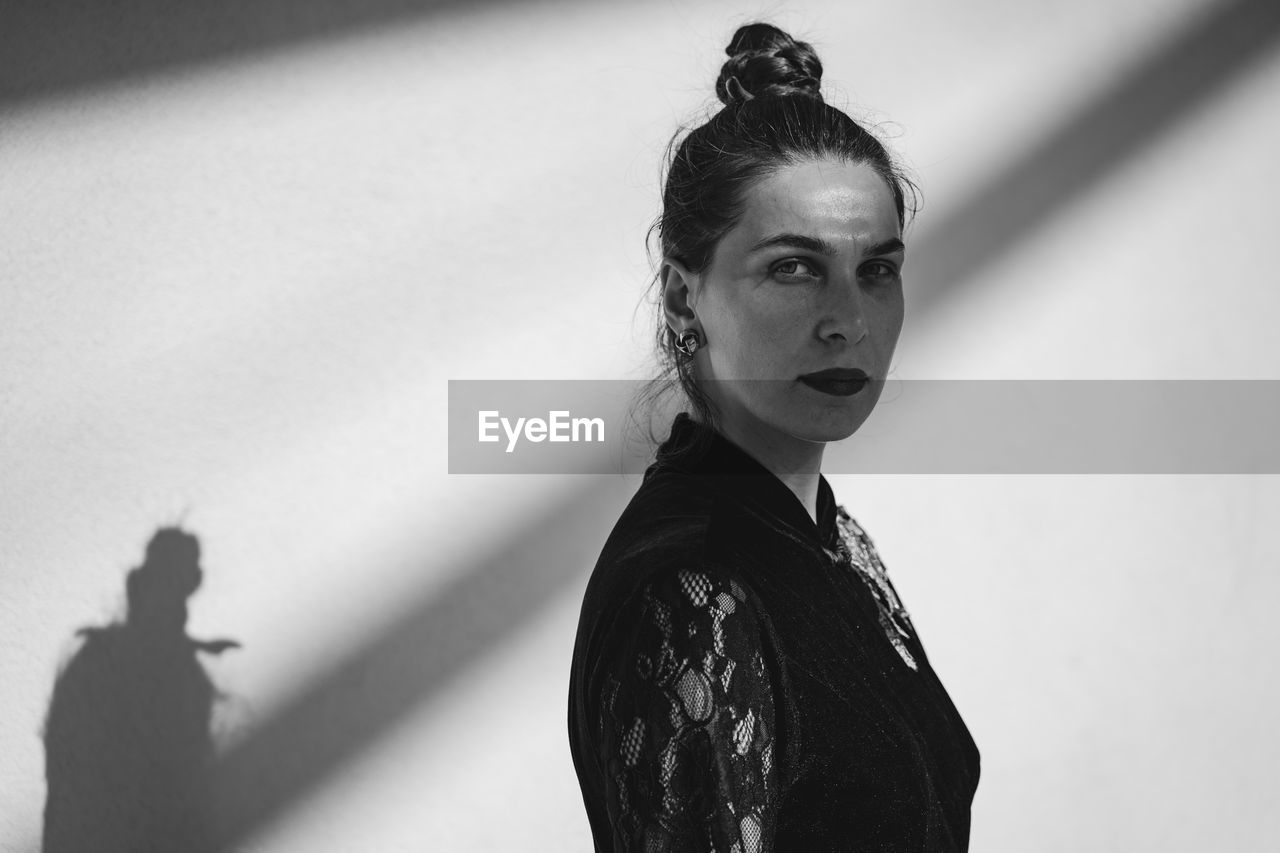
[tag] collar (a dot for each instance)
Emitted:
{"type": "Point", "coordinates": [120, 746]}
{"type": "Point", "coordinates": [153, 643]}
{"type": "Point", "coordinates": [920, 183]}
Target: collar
{"type": "Point", "coordinates": [695, 448]}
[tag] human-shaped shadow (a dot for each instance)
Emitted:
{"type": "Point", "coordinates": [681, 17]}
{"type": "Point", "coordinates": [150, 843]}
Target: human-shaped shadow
{"type": "Point", "coordinates": [128, 746]}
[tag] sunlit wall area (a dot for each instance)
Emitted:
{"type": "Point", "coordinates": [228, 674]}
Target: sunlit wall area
{"type": "Point", "coordinates": [235, 286]}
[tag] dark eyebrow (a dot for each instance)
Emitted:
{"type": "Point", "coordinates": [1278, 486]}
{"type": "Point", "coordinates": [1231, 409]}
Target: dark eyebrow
{"type": "Point", "coordinates": [888, 247]}
{"type": "Point", "coordinates": [799, 241]}
{"type": "Point", "coordinates": [822, 247]}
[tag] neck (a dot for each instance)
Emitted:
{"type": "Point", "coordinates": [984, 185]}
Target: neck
{"type": "Point", "coordinates": [795, 462]}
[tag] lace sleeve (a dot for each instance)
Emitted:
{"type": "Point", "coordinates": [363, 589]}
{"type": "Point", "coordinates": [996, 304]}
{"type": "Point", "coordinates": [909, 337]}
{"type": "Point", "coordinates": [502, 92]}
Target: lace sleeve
{"type": "Point", "coordinates": [687, 720]}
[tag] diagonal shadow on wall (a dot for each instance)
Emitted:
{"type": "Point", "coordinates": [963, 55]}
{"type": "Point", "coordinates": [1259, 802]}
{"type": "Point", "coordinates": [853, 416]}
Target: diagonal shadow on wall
{"type": "Point", "coordinates": [378, 684]}
{"type": "Point", "coordinates": [50, 46]}
{"type": "Point", "coordinates": [1089, 145]}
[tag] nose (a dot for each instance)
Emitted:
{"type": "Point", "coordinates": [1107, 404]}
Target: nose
{"type": "Point", "coordinates": [844, 316]}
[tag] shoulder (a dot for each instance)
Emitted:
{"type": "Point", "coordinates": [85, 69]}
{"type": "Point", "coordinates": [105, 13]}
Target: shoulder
{"type": "Point", "coordinates": [674, 522]}
{"type": "Point", "coordinates": [668, 552]}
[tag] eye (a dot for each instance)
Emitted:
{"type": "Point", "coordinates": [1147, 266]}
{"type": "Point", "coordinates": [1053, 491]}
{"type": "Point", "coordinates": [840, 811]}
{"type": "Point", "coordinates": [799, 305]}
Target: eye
{"type": "Point", "coordinates": [794, 269]}
{"type": "Point", "coordinates": [879, 269]}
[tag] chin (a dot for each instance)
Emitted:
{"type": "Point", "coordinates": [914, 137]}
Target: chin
{"type": "Point", "coordinates": [833, 424]}
{"type": "Point", "coordinates": [830, 426]}
{"type": "Point", "coordinates": [832, 433]}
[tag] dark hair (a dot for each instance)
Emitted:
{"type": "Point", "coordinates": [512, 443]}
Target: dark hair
{"type": "Point", "coordinates": [773, 116]}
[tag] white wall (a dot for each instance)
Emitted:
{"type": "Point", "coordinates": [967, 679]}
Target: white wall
{"type": "Point", "coordinates": [233, 293]}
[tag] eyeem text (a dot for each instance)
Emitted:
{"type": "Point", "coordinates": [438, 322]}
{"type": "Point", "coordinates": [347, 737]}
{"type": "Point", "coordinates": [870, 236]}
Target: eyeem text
{"type": "Point", "coordinates": [557, 427]}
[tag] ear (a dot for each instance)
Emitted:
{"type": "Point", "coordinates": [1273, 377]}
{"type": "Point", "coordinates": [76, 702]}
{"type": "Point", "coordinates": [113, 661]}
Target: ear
{"type": "Point", "coordinates": [680, 292]}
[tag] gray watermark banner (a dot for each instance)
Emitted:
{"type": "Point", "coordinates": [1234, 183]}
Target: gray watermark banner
{"type": "Point", "coordinates": [917, 427]}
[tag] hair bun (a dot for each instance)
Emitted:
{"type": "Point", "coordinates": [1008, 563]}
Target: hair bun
{"type": "Point", "coordinates": [763, 60]}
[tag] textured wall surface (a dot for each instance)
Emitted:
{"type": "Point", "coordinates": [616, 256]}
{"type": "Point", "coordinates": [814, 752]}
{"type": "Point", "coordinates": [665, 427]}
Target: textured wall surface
{"type": "Point", "coordinates": [237, 274]}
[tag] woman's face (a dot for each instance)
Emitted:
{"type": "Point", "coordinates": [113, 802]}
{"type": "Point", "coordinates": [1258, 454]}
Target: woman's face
{"type": "Point", "coordinates": [808, 281]}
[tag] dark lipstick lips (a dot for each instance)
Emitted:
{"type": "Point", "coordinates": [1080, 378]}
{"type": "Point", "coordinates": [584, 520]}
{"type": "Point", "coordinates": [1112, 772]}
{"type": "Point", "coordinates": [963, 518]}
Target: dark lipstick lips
{"type": "Point", "coordinates": [836, 381]}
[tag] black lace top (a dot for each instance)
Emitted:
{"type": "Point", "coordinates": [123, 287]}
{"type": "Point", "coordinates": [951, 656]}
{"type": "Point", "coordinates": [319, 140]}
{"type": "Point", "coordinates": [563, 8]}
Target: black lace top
{"type": "Point", "coordinates": [744, 680]}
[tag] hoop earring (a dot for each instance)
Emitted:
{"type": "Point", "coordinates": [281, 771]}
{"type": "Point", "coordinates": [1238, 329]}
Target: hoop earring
{"type": "Point", "coordinates": [688, 341]}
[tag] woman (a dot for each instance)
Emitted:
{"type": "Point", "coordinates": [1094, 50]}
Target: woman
{"type": "Point", "coordinates": [745, 677]}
